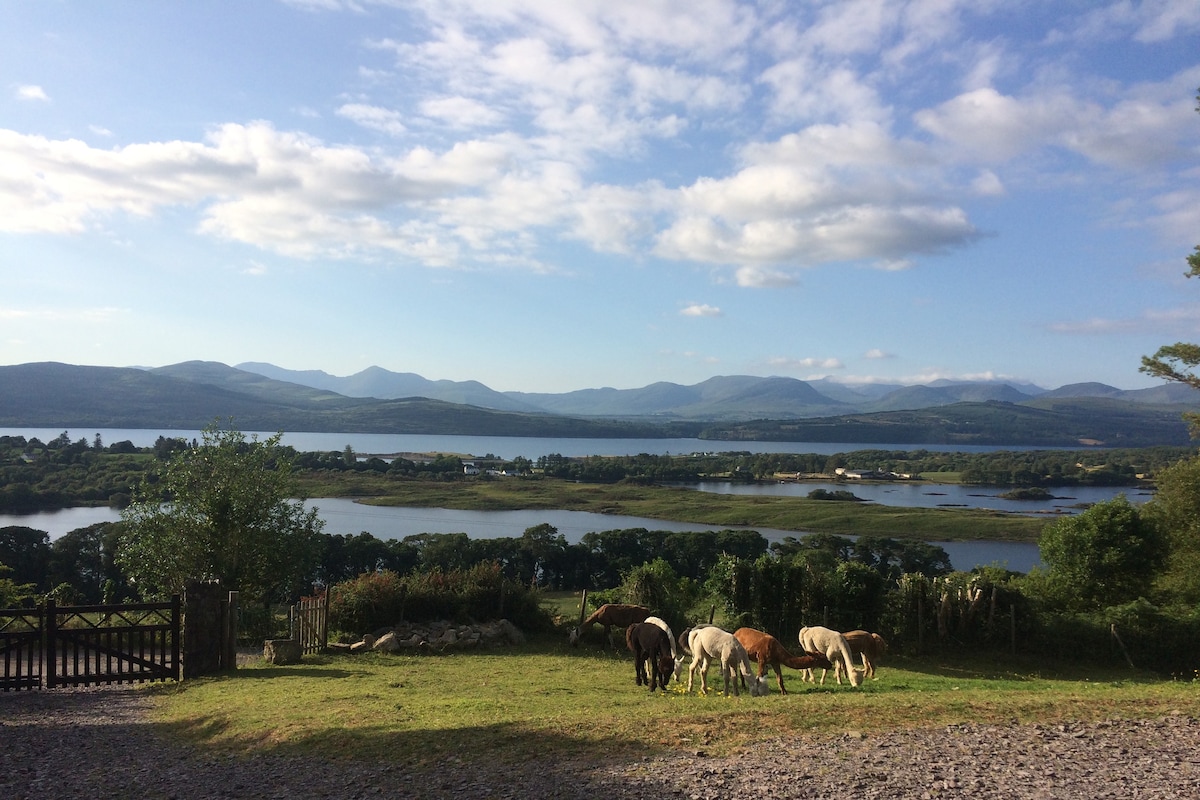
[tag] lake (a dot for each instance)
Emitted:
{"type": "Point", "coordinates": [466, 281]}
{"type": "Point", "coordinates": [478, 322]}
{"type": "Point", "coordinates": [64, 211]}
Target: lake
{"type": "Point", "coordinates": [343, 516]}
{"type": "Point", "coordinates": [506, 447]}
{"type": "Point", "coordinates": [1067, 499]}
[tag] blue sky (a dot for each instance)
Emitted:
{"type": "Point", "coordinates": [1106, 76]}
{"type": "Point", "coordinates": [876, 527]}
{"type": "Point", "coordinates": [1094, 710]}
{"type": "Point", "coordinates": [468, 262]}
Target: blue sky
{"type": "Point", "coordinates": [548, 196]}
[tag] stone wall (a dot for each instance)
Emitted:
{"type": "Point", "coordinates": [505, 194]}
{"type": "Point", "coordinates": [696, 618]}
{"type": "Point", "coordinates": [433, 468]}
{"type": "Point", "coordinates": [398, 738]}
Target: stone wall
{"type": "Point", "coordinates": [435, 637]}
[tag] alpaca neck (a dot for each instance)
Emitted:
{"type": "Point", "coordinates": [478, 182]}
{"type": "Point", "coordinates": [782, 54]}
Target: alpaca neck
{"type": "Point", "coordinates": [796, 662]}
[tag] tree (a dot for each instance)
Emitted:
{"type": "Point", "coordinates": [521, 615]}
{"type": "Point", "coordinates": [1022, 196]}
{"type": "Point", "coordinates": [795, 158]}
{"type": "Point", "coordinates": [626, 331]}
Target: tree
{"type": "Point", "coordinates": [1178, 362]}
{"type": "Point", "coordinates": [221, 511]}
{"type": "Point", "coordinates": [1176, 510]}
{"type": "Point", "coordinates": [1105, 556]}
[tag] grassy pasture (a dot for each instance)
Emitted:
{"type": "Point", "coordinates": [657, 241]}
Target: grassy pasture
{"type": "Point", "coordinates": [547, 699]}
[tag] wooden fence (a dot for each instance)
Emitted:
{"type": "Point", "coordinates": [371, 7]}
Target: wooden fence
{"type": "Point", "coordinates": [310, 622]}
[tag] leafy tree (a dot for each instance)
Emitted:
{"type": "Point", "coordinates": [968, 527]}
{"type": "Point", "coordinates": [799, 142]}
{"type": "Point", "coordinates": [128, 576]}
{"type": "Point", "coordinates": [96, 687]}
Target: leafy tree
{"type": "Point", "coordinates": [1178, 362]}
{"type": "Point", "coordinates": [221, 511]}
{"type": "Point", "coordinates": [1176, 510]}
{"type": "Point", "coordinates": [26, 551]}
{"type": "Point", "coordinates": [1105, 556]}
{"type": "Point", "coordinates": [13, 594]}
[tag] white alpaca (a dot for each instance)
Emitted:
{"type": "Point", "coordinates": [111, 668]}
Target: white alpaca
{"type": "Point", "coordinates": [678, 659]}
{"type": "Point", "coordinates": [835, 647]}
{"type": "Point", "coordinates": [710, 642]}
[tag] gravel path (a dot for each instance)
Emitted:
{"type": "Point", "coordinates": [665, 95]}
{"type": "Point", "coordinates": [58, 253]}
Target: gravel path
{"type": "Point", "coordinates": [95, 744]}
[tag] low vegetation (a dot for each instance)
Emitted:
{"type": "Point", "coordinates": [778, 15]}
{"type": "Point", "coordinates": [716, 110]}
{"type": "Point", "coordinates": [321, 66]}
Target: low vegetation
{"type": "Point", "coordinates": [546, 698]}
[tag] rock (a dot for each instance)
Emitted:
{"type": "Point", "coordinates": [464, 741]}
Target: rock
{"type": "Point", "coordinates": [388, 643]}
{"type": "Point", "coordinates": [282, 651]}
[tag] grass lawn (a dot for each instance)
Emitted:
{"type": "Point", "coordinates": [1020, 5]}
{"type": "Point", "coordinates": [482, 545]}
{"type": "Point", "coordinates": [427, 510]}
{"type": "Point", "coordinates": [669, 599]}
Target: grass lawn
{"type": "Point", "coordinates": [548, 699]}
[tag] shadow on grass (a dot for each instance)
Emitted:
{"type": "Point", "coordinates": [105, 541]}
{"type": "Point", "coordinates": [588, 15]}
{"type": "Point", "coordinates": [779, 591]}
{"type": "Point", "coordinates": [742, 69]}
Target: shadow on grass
{"type": "Point", "coordinates": [489, 748]}
{"type": "Point", "coordinates": [1014, 667]}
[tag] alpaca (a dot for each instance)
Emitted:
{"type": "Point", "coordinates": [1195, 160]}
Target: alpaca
{"type": "Point", "coordinates": [766, 649]}
{"type": "Point", "coordinates": [609, 615]}
{"type": "Point", "coordinates": [677, 669]}
{"type": "Point", "coordinates": [650, 643]}
{"type": "Point", "coordinates": [833, 645]}
{"type": "Point", "coordinates": [710, 642]}
{"type": "Point", "coordinates": [868, 646]}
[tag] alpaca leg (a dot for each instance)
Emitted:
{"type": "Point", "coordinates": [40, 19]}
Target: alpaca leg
{"type": "Point", "coordinates": [779, 676]}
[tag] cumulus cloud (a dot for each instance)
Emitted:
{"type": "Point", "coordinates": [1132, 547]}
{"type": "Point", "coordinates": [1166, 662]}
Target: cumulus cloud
{"type": "Point", "coordinates": [877, 354]}
{"type": "Point", "coordinates": [32, 93]}
{"type": "Point", "coordinates": [515, 125]}
{"type": "Point", "coordinates": [700, 310]}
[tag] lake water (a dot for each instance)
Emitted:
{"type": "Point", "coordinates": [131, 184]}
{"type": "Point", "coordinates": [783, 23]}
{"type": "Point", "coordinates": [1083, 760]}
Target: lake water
{"type": "Point", "coordinates": [1067, 499]}
{"type": "Point", "coordinates": [343, 516]}
{"type": "Point", "coordinates": [506, 447]}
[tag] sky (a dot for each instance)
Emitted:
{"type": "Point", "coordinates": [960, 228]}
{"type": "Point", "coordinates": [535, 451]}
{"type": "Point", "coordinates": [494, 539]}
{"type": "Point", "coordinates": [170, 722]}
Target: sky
{"type": "Point", "coordinates": [547, 196]}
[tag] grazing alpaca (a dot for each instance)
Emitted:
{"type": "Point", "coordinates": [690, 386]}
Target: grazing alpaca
{"type": "Point", "coordinates": [609, 615]}
{"type": "Point", "coordinates": [710, 642]}
{"type": "Point", "coordinates": [833, 645]}
{"type": "Point", "coordinates": [650, 643]}
{"type": "Point", "coordinates": [868, 646]}
{"type": "Point", "coordinates": [766, 649]}
{"type": "Point", "coordinates": [677, 669]}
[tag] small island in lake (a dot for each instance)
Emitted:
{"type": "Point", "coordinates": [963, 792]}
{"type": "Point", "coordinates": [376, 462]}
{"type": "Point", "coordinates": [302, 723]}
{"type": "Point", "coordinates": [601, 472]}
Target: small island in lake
{"type": "Point", "coordinates": [840, 494]}
{"type": "Point", "coordinates": [1028, 493]}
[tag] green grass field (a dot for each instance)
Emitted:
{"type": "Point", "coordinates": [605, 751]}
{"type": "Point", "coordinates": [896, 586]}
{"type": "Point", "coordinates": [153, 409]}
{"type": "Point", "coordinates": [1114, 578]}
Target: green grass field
{"type": "Point", "coordinates": [548, 699]}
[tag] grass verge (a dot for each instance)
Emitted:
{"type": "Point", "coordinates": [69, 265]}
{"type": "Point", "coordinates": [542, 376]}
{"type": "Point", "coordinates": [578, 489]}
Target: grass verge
{"type": "Point", "coordinates": [545, 699]}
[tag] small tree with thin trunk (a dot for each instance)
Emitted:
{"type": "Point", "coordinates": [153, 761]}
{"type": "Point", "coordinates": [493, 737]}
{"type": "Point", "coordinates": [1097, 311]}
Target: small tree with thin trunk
{"type": "Point", "coordinates": [223, 510]}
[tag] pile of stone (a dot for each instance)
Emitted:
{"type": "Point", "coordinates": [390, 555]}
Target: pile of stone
{"type": "Point", "coordinates": [435, 637]}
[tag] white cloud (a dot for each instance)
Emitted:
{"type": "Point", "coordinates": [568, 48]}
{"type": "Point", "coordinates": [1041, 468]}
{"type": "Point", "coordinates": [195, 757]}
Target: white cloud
{"type": "Point", "coordinates": [700, 310]}
{"type": "Point", "coordinates": [1177, 321]}
{"type": "Point", "coordinates": [461, 112]}
{"type": "Point", "coordinates": [877, 354]}
{"type": "Point", "coordinates": [784, 362]}
{"type": "Point", "coordinates": [32, 93]}
{"type": "Point", "coordinates": [373, 117]}
{"type": "Point", "coordinates": [94, 315]}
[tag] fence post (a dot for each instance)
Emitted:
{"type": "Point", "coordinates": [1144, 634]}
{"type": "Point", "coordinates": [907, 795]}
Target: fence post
{"type": "Point", "coordinates": [229, 638]}
{"type": "Point", "coordinates": [1012, 627]}
{"type": "Point", "coordinates": [176, 636]}
{"type": "Point", "coordinates": [325, 620]}
{"type": "Point", "coordinates": [49, 637]}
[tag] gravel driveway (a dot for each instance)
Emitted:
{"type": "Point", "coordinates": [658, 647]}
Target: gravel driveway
{"type": "Point", "coordinates": [95, 743]}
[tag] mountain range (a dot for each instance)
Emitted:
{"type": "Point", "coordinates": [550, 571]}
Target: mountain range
{"type": "Point", "coordinates": [264, 397]}
{"type": "Point", "coordinates": [737, 397]}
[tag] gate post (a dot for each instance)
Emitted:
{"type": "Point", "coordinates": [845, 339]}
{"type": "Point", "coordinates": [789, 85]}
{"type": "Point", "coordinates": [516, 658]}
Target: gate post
{"type": "Point", "coordinates": [229, 633]}
{"type": "Point", "coordinates": [205, 629]}
{"type": "Point", "coordinates": [176, 636]}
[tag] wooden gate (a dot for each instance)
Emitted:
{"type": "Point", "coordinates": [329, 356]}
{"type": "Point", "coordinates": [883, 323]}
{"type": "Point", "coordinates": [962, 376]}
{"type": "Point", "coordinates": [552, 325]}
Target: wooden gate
{"type": "Point", "coordinates": [21, 648]}
{"type": "Point", "coordinates": [310, 623]}
{"type": "Point", "coordinates": [98, 644]}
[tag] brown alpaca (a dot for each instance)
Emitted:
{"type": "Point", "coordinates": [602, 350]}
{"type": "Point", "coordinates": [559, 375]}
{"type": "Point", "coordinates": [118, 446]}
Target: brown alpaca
{"type": "Point", "coordinates": [766, 649]}
{"type": "Point", "coordinates": [868, 646]}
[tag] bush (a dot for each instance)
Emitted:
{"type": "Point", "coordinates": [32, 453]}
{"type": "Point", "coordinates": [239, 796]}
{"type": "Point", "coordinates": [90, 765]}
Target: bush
{"type": "Point", "coordinates": [481, 593]}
